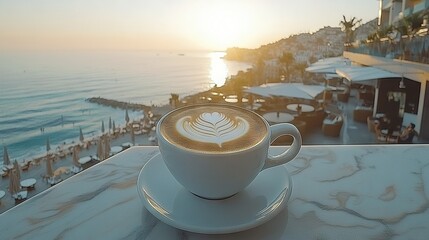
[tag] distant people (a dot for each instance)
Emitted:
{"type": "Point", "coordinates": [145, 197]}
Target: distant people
{"type": "Point", "coordinates": [299, 109]}
{"type": "Point", "coordinates": [384, 123]}
{"type": "Point", "coordinates": [408, 134]}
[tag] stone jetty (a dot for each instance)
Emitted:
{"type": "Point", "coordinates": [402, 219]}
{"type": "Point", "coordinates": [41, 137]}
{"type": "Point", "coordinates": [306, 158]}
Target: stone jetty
{"type": "Point", "coordinates": [118, 104]}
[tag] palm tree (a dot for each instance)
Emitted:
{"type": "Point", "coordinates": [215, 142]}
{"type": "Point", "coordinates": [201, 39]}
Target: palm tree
{"type": "Point", "coordinates": [300, 67]}
{"type": "Point", "coordinates": [259, 68]}
{"type": "Point", "coordinates": [410, 24]}
{"type": "Point", "coordinates": [287, 59]}
{"type": "Point", "coordinates": [349, 28]}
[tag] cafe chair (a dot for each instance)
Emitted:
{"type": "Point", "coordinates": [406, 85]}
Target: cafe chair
{"type": "Point", "coordinates": [379, 135]}
{"type": "Point", "coordinates": [361, 113]}
{"type": "Point", "coordinates": [332, 125]}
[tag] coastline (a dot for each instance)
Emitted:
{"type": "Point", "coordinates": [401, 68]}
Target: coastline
{"type": "Point", "coordinates": [62, 164]}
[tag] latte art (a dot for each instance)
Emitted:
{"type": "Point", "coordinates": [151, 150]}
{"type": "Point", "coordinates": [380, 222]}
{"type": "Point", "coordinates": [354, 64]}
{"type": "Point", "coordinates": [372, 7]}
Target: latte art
{"type": "Point", "coordinates": [212, 127]}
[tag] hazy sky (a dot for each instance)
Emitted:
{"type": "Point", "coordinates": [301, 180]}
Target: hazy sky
{"type": "Point", "coordinates": [167, 24]}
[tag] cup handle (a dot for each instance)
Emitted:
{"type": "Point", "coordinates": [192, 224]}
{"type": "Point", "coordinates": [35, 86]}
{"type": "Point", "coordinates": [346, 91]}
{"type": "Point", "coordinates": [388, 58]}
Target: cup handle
{"type": "Point", "coordinates": [278, 130]}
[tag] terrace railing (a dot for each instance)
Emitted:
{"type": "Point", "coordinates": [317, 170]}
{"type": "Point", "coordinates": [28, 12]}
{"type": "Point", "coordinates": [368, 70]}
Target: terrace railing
{"type": "Point", "coordinates": [414, 48]}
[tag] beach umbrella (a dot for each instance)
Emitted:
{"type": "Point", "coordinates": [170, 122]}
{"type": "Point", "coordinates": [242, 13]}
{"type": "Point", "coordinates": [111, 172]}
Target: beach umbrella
{"type": "Point", "coordinates": [48, 145]}
{"type": "Point", "coordinates": [133, 137]}
{"type": "Point", "coordinates": [328, 65]}
{"type": "Point", "coordinates": [110, 124]}
{"type": "Point", "coordinates": [81, 138]}
{"type": "Point", "coordinates": [75, 157]}
{"type": "Point", "coordinates": [17, 168]}
{"type": "Point", "coordinates": [127, 117]}
{"type": "Point", "coordinates": [290, 90]}
{"type": "Point", "coordinates": [14, 184]}
{"type": "Point", "coordinates": [49, 170]}
{"type": "Point", "coordinates": [100, 153]}
{"type": "Point", "coordinates": [102, 127]}
{"type": "Point", "coordinates": [6, 159]}
{"type": "Point", "coordinates": [107, 147]}
{"type": "Point", "coordinates": [113, 126]}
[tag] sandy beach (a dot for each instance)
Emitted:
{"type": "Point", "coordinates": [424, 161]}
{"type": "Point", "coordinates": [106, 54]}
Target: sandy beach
{"type": "Point", "coordinates": [61, 166]}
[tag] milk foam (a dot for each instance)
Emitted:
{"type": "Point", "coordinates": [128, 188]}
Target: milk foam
{"type": "Point", "coordinates": [212, 127]}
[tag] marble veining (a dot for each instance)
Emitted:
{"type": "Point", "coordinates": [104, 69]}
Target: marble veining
{"type": "Point", "coordinates": [339, 192]}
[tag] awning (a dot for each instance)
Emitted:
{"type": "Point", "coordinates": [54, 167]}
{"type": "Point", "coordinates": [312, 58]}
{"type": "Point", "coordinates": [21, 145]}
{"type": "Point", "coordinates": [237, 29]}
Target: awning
{"type": "Point", "coordinates": [331, 60]}
{"type": "Point", "coordinates": [328, 65]}
{"type": "Point", "coordinates": [291, 90]}
{"type": "Point", "coordinates": [359, 73]}
{"type": "Point", "coordinates": [322, 68]}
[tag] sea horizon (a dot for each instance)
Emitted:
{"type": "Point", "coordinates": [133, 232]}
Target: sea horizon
{"type": "Point", "coordinates": [44, 93]}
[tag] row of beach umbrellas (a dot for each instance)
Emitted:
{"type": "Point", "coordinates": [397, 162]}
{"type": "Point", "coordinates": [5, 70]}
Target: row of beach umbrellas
{"type": "Point", "coordinates": [112, 127]}
{"type": "Point", "coordinates": [103, 152]}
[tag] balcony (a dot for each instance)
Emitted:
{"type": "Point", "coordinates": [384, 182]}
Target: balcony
{"type": "Point", "coordinates": [415, 49]}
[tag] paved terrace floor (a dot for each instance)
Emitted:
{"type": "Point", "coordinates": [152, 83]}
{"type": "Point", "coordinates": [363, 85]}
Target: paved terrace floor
{"type": "Point", "coordinates": [352, 133]}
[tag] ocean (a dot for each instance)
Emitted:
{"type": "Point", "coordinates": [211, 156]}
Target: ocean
{"type": "Point", "coordinates": [42, 95]}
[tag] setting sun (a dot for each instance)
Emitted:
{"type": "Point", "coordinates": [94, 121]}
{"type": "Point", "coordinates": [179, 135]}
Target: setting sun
{"type": "Point", "coordinates": [222, 26]}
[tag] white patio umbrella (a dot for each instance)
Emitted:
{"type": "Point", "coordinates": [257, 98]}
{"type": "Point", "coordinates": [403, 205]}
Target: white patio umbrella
{"type": "Point", "coordinates": [107, 147]}
{"type": "Point", "coordinates": [100, 152]}
{"type": "Point", "coordinates": [127, 117]}
{"type": "Point", "coordinates": [17, 168]}
{"type": "Point", "coordinates": [331, 60]}
{"type": "Point", "coordinates": [49, 170]}
{"type": "Point", "coordinates": [298, 90]}
{"type": "Point", "coordinates": [14, 183]}
{"type": "Point", "coordinates": [110, 124]}
{"type": "Point", "coordinates": [48, 145]}
{"type": "Point", "coordinates": [290, 90]}
{"type": "Point", "coordinates": [6, 159]}
{"type": "Point", "coordinates": [81, 138]}
{"type": "Point", "coordinates": [102, 127]}
{"type": "Point", "coordinates": [328, 65]}
{"type": "Point", "coordinates": [133, 137]}
{"type": "Point", "coordinates": [75, 157]}
{"type": "Point", "coordinates": [263, 90]}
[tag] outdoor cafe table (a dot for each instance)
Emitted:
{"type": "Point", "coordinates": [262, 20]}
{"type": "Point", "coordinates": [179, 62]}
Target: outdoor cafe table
{"type": "Point", "coordinates": [278, 117]}
{"type": "Point", "coordinates": [304, 107]}
{"type": "Point", "coordinates": [84, 160]}
{"type": "Point", "coordinates": [116, 149]}
{"type": "Point", "coordinates": [28, 183]}
{"type": "Point", "coordinates": [339, 192]}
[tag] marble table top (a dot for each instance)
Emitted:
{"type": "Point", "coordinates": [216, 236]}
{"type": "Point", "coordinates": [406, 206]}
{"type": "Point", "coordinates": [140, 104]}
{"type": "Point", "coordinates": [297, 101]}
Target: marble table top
{"type": "Point", "coordinates": [339, 192]}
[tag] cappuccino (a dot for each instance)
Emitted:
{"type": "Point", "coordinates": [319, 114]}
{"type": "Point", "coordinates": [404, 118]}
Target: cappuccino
{"type": "Point", "coordinates": [213, 129]}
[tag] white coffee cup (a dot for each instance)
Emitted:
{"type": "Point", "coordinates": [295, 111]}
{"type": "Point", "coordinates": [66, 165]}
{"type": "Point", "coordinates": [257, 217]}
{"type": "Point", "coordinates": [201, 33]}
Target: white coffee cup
{"type": "Point", "coordinates": [216, 150]}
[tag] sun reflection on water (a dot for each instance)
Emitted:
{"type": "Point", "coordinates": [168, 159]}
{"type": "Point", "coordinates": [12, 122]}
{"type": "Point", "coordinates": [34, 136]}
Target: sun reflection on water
{"type": "Point", "coordinates": [218, 69]}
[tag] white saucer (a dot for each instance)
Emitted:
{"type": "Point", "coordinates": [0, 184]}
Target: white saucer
{"type": "Point", "coordinates": [167, 200]}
